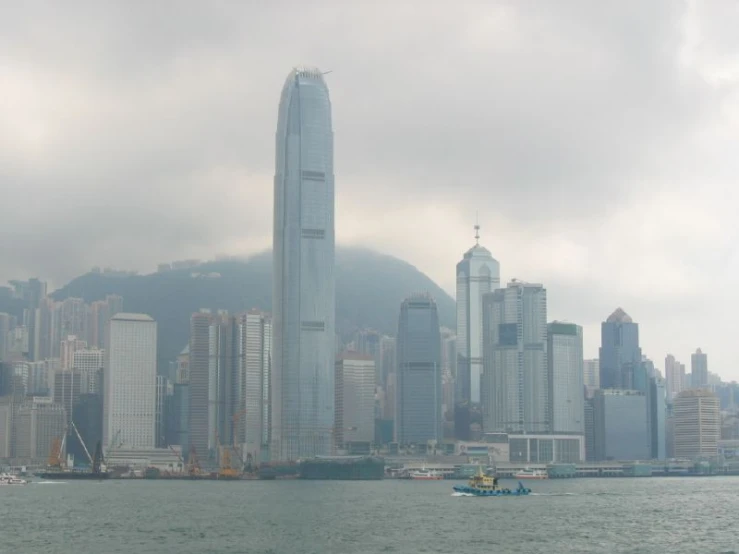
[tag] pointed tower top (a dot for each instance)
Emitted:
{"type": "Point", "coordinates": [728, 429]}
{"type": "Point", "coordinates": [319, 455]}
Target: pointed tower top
{"type": "Point", "coordinates": [477, 228]}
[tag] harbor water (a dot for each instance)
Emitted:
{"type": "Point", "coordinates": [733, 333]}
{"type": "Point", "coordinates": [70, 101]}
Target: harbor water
{"type": "Point", "coordinates": [638, 515]}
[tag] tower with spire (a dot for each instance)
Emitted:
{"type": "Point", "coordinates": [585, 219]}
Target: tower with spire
{"type": "Point", "coordinates": [477, 273]}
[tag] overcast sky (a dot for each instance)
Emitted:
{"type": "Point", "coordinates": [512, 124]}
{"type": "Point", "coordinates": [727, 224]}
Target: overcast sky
{"type": "Point", "coordinates": [597, 140]}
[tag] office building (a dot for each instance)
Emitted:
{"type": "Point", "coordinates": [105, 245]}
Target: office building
{"type": "Point", "coordinates": [130, 381]}
{"type": "Point", "coordinates": [38, 422]}
{"type": "Point", "coordinates": [68, 347]}
{"type": "Point", "coordinates": [89, 363]}
{"type": "Point", "coordinates": [621, 426]}
{"type": "Point", "coordinates": [253, 418]}
{"type": "Point", "coordinates": [516, 389]}
{"type": "Point", "coordinates": [418, 411]}
{"type": "Point", "coordinates": [355, 401]}
{"type": "Point", "coordinates": [6, 324]}
{"type": "Point", "coordinates": [699, 369]}
{"type": "Point", "coordinates": [66, 390]}
{"type": "Point", "coordinates": [7, 407]}
{"type": "Point", "coordinates": [697, 424]}
{"type": "Point", "coordinates": [199, 364]}
{"type": "Point", "coordinates": [303, 271]}
{"type": "Point", "coordinates": [565, 376]}
{"type": "Point", "coordinates": [620, 354]}
{"type": "Point", "coordinates": [591, 374]}
{"type": "Point", "coordinates": [477, 274]}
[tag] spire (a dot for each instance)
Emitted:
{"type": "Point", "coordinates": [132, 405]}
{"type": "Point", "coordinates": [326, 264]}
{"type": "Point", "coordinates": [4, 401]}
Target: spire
{"type": "Point", "coordinates": [477, 229]}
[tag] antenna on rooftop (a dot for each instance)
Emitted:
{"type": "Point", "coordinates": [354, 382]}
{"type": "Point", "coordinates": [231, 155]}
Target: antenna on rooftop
{"type": "Point", "coordinates": [477, 228]}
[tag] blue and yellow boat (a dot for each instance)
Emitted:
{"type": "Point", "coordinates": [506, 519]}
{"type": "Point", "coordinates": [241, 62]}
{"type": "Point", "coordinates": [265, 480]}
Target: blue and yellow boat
{"type": "Point", "coordinates": [484, 485]}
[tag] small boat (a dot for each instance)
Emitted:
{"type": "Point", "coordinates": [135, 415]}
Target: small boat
{"type": "Point", "coordinates": [7, 479]}
{"type": "Point", "coordinates": [426, 475]}
{"type": "Point", "coordinates": [531, 474]}
{"type": "Point", "coordinates": [484, 485]}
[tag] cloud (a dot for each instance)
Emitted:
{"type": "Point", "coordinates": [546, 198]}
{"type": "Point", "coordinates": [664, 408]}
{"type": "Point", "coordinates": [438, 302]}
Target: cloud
{"type": "Point", "coordinates": [596, 143]}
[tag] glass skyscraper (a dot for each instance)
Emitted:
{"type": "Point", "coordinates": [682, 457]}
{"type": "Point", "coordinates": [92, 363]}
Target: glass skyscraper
{"type": "Point", "coordinates": [620, 355]}
{"type": "Point", "coordinates": [565, 376]}
{"type": "Point", "coordinates": [418, 413]}
{"type": "Point", "coordinates": [303, 271]}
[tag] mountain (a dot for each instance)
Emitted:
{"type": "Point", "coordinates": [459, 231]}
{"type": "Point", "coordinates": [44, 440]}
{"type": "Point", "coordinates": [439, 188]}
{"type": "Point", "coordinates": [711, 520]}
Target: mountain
{"type": "Point", "coordinates": [369, 289]}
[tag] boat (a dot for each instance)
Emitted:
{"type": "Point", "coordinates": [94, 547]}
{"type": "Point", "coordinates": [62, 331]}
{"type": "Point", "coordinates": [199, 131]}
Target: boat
{"type": "Point", "coordinates": [426, 475]}
{"type": "Point", "coordinates": [343, 468]}
{"type": "Point", "coordinates": [57, 472]}
{"type": "Point", "coordinates": [531, 474]}
{"type": "Point", "coordinates": [7, 479]}
{"type": "Point", "coordinates": [484, 485]}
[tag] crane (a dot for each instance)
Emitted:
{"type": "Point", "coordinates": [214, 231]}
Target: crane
{"type": "Point", "coordinates": [82, 442]}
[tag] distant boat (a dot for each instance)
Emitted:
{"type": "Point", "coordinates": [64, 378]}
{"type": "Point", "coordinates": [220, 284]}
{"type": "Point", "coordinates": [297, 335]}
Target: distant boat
{"type": "Point", "coordinates": [484, 485]}
{"type": "Point", "coordinates": [7, 479]}
{"type": "Point", "coordinates": [531, 474]}
{"type": "Point", "coordinates": [427, 475]}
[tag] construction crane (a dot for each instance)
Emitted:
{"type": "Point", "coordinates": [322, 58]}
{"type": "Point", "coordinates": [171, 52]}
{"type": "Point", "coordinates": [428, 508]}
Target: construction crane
{"type": "Point", "coordinates": [56, 459]}
{"type": "Point", "coordinates": [193, 466]}
{"type": "Point", "coordinates": [225, 471]}
{"type": "Point", "coordinates": [82, 442]}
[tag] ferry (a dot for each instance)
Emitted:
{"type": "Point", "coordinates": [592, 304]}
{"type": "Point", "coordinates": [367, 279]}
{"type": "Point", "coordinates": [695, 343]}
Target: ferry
{"type": "Point", "coordinates": [7, 479]}
{"type": "Point", "coordinates": [531, 474]}
{"type": "Point", "coordinates": [483, 485]}
{"type": "Point", "coordinates": [426, 475]}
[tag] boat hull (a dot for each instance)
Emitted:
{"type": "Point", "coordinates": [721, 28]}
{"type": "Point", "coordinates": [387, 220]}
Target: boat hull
{"type": "Point", "coordinates": [534, 477]}
{"type": "Point", "coordinates": [76, 475]}
{"type": "Point", "coordinates": [464, 489]}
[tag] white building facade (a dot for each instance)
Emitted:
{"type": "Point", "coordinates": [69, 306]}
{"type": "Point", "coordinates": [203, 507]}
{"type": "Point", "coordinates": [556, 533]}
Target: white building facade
{"type": "Point", "coordinates": [565, 376]}
{"type": "Point", "coordinates": [129, 415]}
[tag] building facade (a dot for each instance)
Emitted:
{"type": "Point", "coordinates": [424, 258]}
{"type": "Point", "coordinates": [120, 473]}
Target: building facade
{"type": "Point", "coordinates": [37, 424]}
{"type": "Point", "coordinates": [516, 389]}
{"type": "Point", "coordinates": [477, 274]}
{"type": "Point", "coordinates": [591, 374]}
{"type": "Point", "coordinates": [355, 400]}
{"type": "Point", "coordinates": [620, 425]}
{"type": "Point", "coordinates": [304, 341]}
{"type": "Point", "coordinates": [674, 377]}
{"type": "Point", "coordinates": [565, 376]}
{"type": "Point", "coordinates": [254, 418]}
{"type": "Point", "coordinates": [620, 354]}
{"type": "Point", "coordinates": [130, 382]}
{"type": "Point", "coordinates": [699, 369]}
{"type": "Point", "coordinates": [697, 424]}
{"type": "Point", "coordinates": [418, 410]}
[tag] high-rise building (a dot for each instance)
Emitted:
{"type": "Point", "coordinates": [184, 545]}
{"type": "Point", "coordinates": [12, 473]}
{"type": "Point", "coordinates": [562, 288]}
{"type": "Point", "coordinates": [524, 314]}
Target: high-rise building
{"type": "Point", "coordinates": [6, 323]}
{"type": "Point", "coordinates": [89, 363]}
{"type": "Point", "coordinates": [697, 424]}
{"type": "Point", "coordinates": [591, 374]}
{"type": "Point", "coordinates": [620, 354]}
{"type": "Point", "coordinates": [303, 274]}
{"type": "Point", "coordinates": [66, 390]}
{"type": "Point", "coordinates": [620, 425]}
{"type": "Point", "coordinates": [565, 376]}
{"type": "Point", "coordinates": [699, 369]}
{"type": "Point", "coordinates": [253, 417]}
{"type": "Point", "coordinates": [388, 360]}
{"type": "Point", "coordinates": [516, 390]}
{"type": "Point", "coordinates": [674, 376]}
{"type": "Point", "coordinates": [658, 417]}
{"type": "Point", "coordinates": [200, 346]}
{"type": "Point", "coordinates": [418, 412]}
{"type": "Point", "coordinates": [37, 423]}
{"type": "Point", "coordinates": [355, 401]}
{"type": "Point", "coordinates": [164, 394]}
{"type": "Point", "coordinates": [130, 382]}
{"type": "Point", "coordinates": [477, 274]}
{"type": "Point", "coordinates": [69, 346]}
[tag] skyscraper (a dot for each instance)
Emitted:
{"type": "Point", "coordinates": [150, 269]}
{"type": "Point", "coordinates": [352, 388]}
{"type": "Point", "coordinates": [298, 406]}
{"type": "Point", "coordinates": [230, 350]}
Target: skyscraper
{"type": "Point", "coordinates": [477, 274]}
{"type": "Point", "coordinates": [253, 417]}
{"type": "Point", "coordinates": [591, 374]}
{"type": "Point", "coordinates": [675, 376]}
{"type": "Point", "coordinates": [303, 271]}
{"type": "Point", "coordinates": [515, 392]}
{"type": "Point", "coordinates": [620, 354]}
{"type": "Point", "coordinates": [565, 376]}
{"type": "Point", "coordinates": [355, 400]}
{"type": "Point", "coordinates": [130, 381]}
{"type": "Point", "coordinates": [697, 421]}
{"type": "Point", "coordinates": [699, 369]}
{"type": "Point", "coordinates": [418, 412]}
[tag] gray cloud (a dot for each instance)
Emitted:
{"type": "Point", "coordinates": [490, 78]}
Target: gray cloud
{"type": "Point", "coordinates": [595, 140]}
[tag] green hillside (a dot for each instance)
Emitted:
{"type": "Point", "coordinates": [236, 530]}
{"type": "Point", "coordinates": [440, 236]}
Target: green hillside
{"type": "Point", "coordinates": [369, 289]}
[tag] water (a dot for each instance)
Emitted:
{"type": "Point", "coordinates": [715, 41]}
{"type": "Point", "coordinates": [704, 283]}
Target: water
{"type": "Point", "coordinates": [648, 515]}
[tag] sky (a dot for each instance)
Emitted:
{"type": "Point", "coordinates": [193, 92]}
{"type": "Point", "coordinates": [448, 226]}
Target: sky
{"type": "Point", "coordinates": [595, 142]}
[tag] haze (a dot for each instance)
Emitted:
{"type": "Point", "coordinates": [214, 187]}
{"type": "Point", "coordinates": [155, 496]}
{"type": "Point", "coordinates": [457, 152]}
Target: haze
{"type": "Point", "coordinates": [596, 140]}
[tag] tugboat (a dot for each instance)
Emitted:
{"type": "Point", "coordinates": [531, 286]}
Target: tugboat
{"type": "Point", "coordinates": [484, 485]}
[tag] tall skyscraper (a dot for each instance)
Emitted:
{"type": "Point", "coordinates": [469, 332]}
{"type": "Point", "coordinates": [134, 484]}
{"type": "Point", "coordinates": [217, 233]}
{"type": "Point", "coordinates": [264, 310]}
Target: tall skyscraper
{"type": "Point", "coordinates": [620, 354]}
{"type": "Point", "coordinates": [565, 375]}
{"type": "Point", "coordinates": [477, 274]}
{"type": "Point", "coordinates": [418, 412]}
{"type": "Point", "coordinates": [515, 393]}
{"type": "Point", "coordinates": [130, 382]}
{"type": "Point", "coordinates": [355, 401]}
{"type": "Point", "coordinates": [697, 422]}
{"type": "Point", "coordinates": [591, 374]}
{"type": "Point", "coordinates": [699, 369]}
{"type": "Point", "coordinates": [253, 419]}
{"type": "Point", "coordinates": [303, 271]}
{"type": "Point", "coordinates": [621, 425]}
{"type": "Point", "coordinates": [200, 342]}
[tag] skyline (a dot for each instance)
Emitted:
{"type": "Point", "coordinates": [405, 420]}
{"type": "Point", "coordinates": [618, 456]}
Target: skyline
{"type": "Point", "coordinates": [593, 218]}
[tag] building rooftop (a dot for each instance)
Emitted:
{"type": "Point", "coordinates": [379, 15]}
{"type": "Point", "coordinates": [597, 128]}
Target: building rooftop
{"type": "Point", "coordinates": [122, 316]}
{"type": "Point", "coordinates": [619, 316]}
{"type": "Point", "coordinates": [352, 355]}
